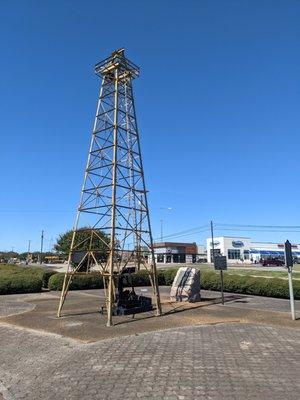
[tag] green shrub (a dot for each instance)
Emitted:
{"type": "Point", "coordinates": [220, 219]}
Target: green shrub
{"type": "Point", "coordinates": [17, 279]}
{"type": "Point", "coordinates": [45, 276]}
{"type": "Point", "coordinates": [161, 278]}
{"type": "Point", "coordinates": [79, 281]}
{"type": "Point", "coordinates": [169, 275]}
{"type": "Point", "coordinates": [94, 280]}
{"type": "Point", "coordinates": [260, 286]}
{"type": "Point", "coordinates": [41, 272]}
{"type": "Point", "coordinates": [210, 280]}
{"type": "Point", "coordinates": [19, 283]}
{"type": "Point", "coordinates": [141, 278]}
{"type": "Point", "coordinates": [56, 281]}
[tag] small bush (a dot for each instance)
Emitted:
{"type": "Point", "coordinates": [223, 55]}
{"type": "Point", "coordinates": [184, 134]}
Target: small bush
{"type": "Point", "coordinates": [79, 281]}
{"type": "Point", "coordinates": [20, 283]}
{"type": "Point", "coordinates": [161, 278]}
{"type": "Point", "coordinates": [45, 276]}
{"type": "Point", "coordinates": [169, 275]}
{"type": "Point", "coordinates": [41, 272]}
{"type": "Point", "coordinates": [17, 279]}
{"type": "Point", "coordinates": [141, 278]}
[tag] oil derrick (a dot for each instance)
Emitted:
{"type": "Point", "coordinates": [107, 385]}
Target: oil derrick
{"type": "Point", "coordinates": [112, 229]}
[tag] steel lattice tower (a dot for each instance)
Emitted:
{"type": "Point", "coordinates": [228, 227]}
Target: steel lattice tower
{"type": "Point", "coordinates": [113, 197]}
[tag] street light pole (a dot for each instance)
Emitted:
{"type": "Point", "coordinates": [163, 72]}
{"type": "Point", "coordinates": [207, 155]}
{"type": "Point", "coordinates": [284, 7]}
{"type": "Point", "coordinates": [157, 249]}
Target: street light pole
{"type": "Point", "coordinates": [212, 255]}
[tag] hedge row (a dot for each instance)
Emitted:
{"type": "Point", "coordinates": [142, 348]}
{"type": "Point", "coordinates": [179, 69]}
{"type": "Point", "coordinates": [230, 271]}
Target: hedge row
{"type": "Point", "coordinates": [79, 281]}
{"type": "Point", "coordinates": [94, 280]}
{"type": "Point", "coordinates": [210, 280]}
{"type": "Point", "coordinates": [20, 283]}
{"type": "Point", "coordinates": [269, 287]}
{"type": "Point", "coordinates": [16, 279]}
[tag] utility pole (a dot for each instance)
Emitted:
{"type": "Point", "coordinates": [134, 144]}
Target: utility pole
{"type": "Point", "coordinates": [28, 251]}
{"type": "Point", "coordinates": [42, 243]}
{"type": "Point", "coordinates": [162, 222]}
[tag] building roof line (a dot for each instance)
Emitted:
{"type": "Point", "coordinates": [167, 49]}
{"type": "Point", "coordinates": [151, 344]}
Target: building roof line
{"type": "Point", "coordinates": [231, 237]}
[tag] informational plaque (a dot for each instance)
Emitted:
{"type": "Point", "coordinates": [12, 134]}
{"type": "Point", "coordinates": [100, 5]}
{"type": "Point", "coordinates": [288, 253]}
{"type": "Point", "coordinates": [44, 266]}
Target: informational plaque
{"type": "Point", "coordinates": [220, 263]}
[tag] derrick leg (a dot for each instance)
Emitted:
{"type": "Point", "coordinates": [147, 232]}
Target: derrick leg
{"type": "Point", "coordinates": [155, 288]}
{"type": "Point", "coordinates": [64, 291]}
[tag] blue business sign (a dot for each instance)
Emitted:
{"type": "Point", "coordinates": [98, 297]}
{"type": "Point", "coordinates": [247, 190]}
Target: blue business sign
{"type": "Point", "coordinates": [216, 243]}
{"type": "Point", "coordinates": [237, 243]}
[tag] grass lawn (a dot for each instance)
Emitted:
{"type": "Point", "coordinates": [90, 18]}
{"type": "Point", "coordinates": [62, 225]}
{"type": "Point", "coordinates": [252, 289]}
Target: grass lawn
{"type": "Point", "coordinates": [21, 269]}
{"type": "Point", "coordinates": [264, 272]}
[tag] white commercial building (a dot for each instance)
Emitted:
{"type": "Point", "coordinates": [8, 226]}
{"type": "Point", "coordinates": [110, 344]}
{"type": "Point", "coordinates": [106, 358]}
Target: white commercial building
{"type": "Point", "coordinates": [242, 249]}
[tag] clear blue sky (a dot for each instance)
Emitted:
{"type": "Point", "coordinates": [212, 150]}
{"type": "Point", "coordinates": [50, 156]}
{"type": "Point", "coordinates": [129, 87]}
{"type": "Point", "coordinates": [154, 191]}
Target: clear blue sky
{"type": "Point", "coordinates": [217, 102]}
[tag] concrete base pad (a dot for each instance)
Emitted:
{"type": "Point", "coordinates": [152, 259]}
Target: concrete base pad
{"type": "Point", "coordinates": [8, 308]}
{"type": "Point", "coordinates": [81, 319]}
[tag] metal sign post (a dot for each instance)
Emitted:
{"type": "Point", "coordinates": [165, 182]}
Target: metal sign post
{"type": "Point", "coordinates": [222, 286]}
{"type": "Point", "coordinates": [289, 264]}
{"type": "Point", "coordinates": [220, 264]}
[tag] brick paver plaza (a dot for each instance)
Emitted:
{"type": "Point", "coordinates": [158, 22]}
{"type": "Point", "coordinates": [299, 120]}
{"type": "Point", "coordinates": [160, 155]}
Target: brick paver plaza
{"type": "Point", "coordinates": [232, 360]}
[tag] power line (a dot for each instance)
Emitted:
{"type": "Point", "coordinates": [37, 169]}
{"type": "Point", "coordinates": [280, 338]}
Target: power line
{"type": "Point", "coordinates": [187, 232]}
{"type": "Point", "coordinates": [36, 211]}
{"type": "Point", "coordinates": [179, 236]}
{"type": "Point", "coordinates": [255, 230]}
{"type": "Point", "coordinates": [235, 227]}
{"type": "Point", "coordinates": [259, 226]}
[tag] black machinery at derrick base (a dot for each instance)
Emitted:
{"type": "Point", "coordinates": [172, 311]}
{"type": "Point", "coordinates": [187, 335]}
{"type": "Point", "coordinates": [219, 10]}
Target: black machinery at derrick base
{"type": "Point", "coordinates": [127, 302]}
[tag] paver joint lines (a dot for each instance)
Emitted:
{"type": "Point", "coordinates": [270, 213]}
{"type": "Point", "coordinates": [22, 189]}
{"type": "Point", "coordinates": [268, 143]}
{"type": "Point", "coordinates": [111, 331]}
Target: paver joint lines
{"type": "Point", "coordinates": [225, 361]}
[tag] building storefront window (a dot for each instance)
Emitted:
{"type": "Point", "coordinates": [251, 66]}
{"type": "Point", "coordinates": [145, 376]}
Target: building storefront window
{"type": "Point", "coordinates": [160, 258]}
{"type": "Point", "coordinates": [182, 258]}
{"type": "Point", "coordinates": [175, 258]}
{"type": "Point", "coordinates": [234, 254]}
{"type": "Point", "coordinates": [179, 258]}
{"type": "Point", "coordinates": [217, 253]}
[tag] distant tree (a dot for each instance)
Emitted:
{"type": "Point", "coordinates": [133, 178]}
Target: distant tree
{"type": "Point", "coordinates": [23, 256]}
{"type": "Point", "coordinates": [99, 243]}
